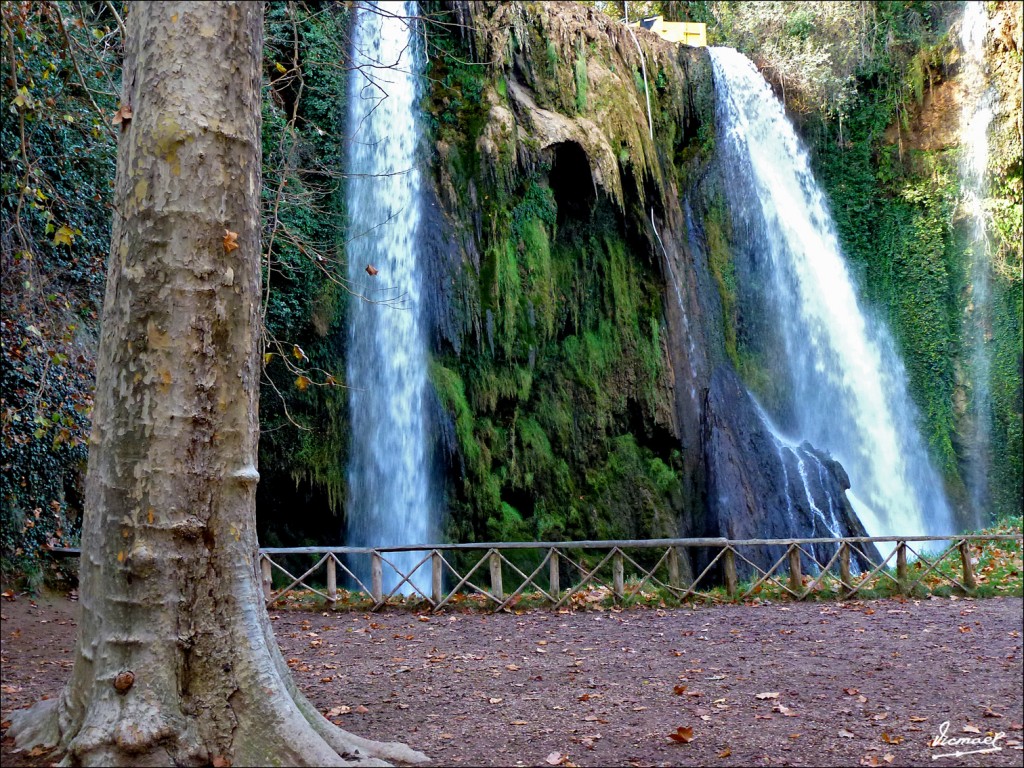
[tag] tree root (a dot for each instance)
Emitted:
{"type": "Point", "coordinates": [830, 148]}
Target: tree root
{"type": "Point", "coordinates": [37, 726]}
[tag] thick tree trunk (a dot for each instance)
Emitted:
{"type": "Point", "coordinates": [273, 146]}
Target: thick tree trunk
{"type": "Point", "coordinates": [176, 662]}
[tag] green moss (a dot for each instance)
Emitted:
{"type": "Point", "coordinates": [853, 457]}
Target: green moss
{"type": "Point", "coordinates": [723, 269]}
{"type": "Point", "coordinates": [452, 392]}
{"type": "Point", "coordinates": [551, 51]}
{"type": "Point", "coordinates": [580, 71]}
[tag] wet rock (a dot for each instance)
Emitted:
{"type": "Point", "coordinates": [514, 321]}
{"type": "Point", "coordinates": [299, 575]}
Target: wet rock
{"type": "Point", "coordinates": [760, 486]}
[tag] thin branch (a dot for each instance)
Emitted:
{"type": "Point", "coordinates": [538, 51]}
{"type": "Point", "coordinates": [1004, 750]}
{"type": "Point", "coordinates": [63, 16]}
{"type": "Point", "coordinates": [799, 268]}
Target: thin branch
{"type": "Point", "coordinates": [81, 79]}
{"type": "Point", "coordinates": [117, 16]}
{"type": "Point", "coordinates": [24, 144]}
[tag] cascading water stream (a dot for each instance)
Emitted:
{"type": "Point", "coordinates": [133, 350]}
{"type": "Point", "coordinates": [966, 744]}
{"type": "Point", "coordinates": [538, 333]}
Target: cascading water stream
{"type": "Point", "coordinates": [975, 118]}
{"type": "Point", "coordinates": [390, 488]}
{"type": "Point", "coordinates": [847, 388]}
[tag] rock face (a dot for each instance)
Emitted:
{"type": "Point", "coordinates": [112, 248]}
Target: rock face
{"type": "Point", "coordinates": [759, 486]}
{"type": "Point", "coordinates": [581, 362]}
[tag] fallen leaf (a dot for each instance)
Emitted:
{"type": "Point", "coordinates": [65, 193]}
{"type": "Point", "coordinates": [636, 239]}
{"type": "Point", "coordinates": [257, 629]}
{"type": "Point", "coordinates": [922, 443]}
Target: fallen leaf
{"type": "Point", "coordinates": [230, 241]}
{"type": "Point", "coordinates": [495, 700]}
{"type": "Point", "coordinates": [843, 733]}
{"type": "Point", "coordinates": [679, 690]}
{"type": "Point", "coordinates": [8, 595]}
{"type": "Point", "coordinates": [555, 758]}
{"type": "Point", "coordinates": [767, 695]}
{"type": "Point", "coordinates": [335, 711]}
{"type": "Point", "coordinates": [880, 716]}
{"type": "Point", "coordinates": [725, 752]}
{"type": "Point", "coordinates": [372, 272]}
{"type": "Point", "coordinates": [851, 691]}
{"type": "Point", "coordinates": [971, 729]}
{"type": "Point", "coordinates": [683, 734]}
{"type": "Point", "coordinates": [519, 722]}
{"type": "Point", "coordinates": [361, 710]}
{"type": "Point", "coordinates": [891, 739]}
{"type": "Point", "coordinates": [916, 719]}
{"type": "Point", "coordinates": [122, 117]}
{"type": "Point", "coordinates": [219, 761]}
{"type": "Point", "coordinates": [989, 712]}
{"type": "Point", "coordinates": [784, 710]}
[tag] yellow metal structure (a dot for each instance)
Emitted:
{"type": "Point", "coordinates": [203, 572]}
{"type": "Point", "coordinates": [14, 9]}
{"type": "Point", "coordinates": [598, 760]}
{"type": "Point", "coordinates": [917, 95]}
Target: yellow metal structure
{"type": "Point", "coordinates": [683, 32]}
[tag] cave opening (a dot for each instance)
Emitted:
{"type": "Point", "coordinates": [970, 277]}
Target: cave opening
{"type": "Point", "coordinates": [571, 181]}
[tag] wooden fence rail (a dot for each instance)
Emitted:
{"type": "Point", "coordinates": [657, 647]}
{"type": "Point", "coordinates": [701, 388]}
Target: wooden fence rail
{"type": "Point", "coordinates": [581, 572]}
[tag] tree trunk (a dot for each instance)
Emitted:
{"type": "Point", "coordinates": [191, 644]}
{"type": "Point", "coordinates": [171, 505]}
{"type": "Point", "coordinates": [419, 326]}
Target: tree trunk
{"type": "Point", "coordinates": [176, 662]}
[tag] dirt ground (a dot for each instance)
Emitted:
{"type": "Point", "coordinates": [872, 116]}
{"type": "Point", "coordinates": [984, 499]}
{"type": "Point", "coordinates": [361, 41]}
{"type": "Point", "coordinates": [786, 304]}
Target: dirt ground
{"type": "Point", "coordinates": [860, 683]}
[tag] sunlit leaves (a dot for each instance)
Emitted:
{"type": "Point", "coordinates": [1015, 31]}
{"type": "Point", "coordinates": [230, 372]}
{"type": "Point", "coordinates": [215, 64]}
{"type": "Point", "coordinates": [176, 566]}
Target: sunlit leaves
{"type": "Point", "coordinates": [65, 235]}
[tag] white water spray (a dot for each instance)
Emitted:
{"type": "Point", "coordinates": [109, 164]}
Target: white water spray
{"type": "Point", "coordinates": [975, 118]}
{"type": "Point", "coordinates": [390, 488]}
{"type": "Point", "coordinates": [847, 386]}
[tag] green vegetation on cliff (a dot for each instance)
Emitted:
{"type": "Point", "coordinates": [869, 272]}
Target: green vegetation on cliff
{"type": "Point", "coordinates": [558, 398]}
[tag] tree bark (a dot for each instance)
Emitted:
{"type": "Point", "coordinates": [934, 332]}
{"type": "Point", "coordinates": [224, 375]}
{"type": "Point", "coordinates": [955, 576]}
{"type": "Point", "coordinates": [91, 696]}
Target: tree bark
{"type": "Point", "coordinates": [176, 662]}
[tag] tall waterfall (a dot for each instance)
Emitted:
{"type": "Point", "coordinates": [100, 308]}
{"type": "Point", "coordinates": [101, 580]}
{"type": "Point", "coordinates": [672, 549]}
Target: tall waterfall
{"type": "Point", "coordinates": [975, 117]}
{"type": "Point", "coordinates": [390, 493]}
{"type": "Point", "coordinates": [847, 388]}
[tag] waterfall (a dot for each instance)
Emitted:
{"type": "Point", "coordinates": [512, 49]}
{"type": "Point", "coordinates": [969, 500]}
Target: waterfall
{"type": "Point", "coordinates": [975, 117]}
{"type": "Point", "coordinates": [847, 390]}
{"type": "Point", "coordinates": [390, 493]}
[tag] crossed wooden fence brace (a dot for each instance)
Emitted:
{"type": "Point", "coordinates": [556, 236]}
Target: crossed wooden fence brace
{"type": "Point", "coordinates": [665, 573]}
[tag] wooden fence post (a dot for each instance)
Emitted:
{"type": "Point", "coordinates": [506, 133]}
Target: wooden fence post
{"type": "Point", "coordinates": [844, 567]}
{"type": "Point", "coordinates": [267, 577]}
{"type": "Point", "coordinates": [673, 568]}
{"type": "Point", "coordinates": [553, 577]}
{"type": "Point", "coordinates": [965, 558]}
{"type": "Point", "coordinates": [901, 566]}
{"type": "Point", "coordinates": [496, 590]}
{"type": "Point", "coordinates": [435, 577]}
{"type": "Point", "coordinates": [376, 576]}
{"type": "Point", "coordinates": [729, 566]}
{"type": "Point", "coordinates": [796, 581]}
{"type": "Point", "coordinates": [332, 579]}
{"type": "Point", "coordinates": [618, 575]}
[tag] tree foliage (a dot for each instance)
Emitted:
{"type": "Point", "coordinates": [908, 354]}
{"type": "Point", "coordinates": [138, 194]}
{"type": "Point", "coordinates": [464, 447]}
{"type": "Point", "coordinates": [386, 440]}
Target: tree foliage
{"type": "Point", "coordinates": [58, 92]}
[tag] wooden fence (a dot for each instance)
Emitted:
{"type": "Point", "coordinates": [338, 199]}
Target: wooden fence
{"type": "Point", "coordinates": [569, 573]}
